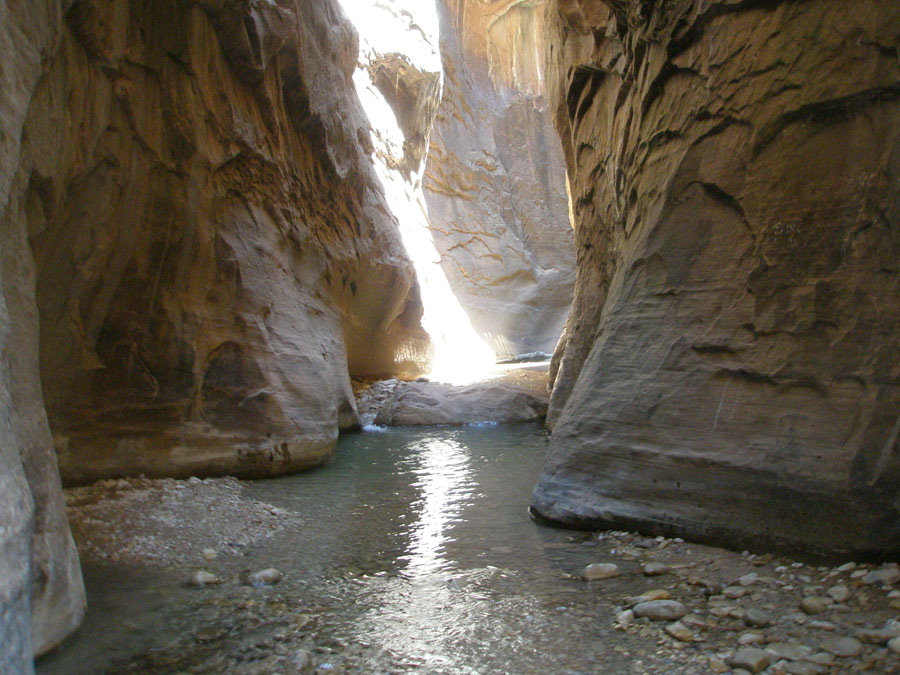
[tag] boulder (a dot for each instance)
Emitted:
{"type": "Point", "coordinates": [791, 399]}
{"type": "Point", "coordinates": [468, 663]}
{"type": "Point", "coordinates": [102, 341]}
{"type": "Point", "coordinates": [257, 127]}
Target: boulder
{"type": "Point", "coordinates": [426, 403]}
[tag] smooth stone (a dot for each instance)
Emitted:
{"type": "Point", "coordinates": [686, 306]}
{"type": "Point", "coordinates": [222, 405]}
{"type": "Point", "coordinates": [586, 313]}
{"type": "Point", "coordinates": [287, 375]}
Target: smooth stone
{"type": "Point", "coordinates": [822, 658]}
{"type": "Point", "coordinates": [821, 625]}
{"type": "Point", "coordinates": [717, 665]}
{"type": "Point", "coordinates": [649, 596]}
{"type": "Point", "coordinates": [748, 579]}
{"type": "Point", "coordinates": [751, 638]}
{"type": "Point", "coordinates": [597, 571]}
{"type": "Point", "coordinates": [303, 661]}
{"type": "Point", "coordinates": [267, 577]}
{"type": "Point", "coordinates": [209, 553]}
{"type": "Point", "coordinates": [841, 646]}
{"type": "Point", "coordinates": [625, 618]}
{"type": "Point", "coordinates": [654, 569]}
{"type": "Point", "coordinates": [680, 632]}
{"type": "Point", "coordinates": [814, 604]}
{"type": "Point", "coordinates": [803, 668]}
{"type": "Point", "coordinates": [757, 618]}
{"type": "Point", "coordinates": [878, 636]}
{"type": "Point", "coordinates": [887, 576]}
{"type": "Point", "coordinates": [751, 658]}
{"type": "Point", "coordinates": [660, 610]}
{"type": "Point", "coordinates": [839, 593]}
{"type": "Point", "coordinates": [202, 578]}
{"type": "Point", "coordinates": [894, 645]}
{"type": "Point", "coordinates": [793, 651]}
{"type": "Point", "coordinates": [735, 592]}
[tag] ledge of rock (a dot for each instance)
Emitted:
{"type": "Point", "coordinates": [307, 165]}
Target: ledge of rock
{"type": "Point", "coordinates": [729, 370]}
{"type": "Point", "coordinates": [428, 403]}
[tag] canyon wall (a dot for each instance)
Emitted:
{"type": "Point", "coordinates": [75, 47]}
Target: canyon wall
{"type": "Point", "coordinates": [495, 177]}
{"type": "Point", "coordinates": [731, 367]}
{"type": "Point", "coordinates": [195, 252]}
{"type": "Point", "coordinates": [211, 247]}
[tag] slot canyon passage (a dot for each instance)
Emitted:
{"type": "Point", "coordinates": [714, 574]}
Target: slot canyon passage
{"type": "Point", "coordinates": [281, 280]}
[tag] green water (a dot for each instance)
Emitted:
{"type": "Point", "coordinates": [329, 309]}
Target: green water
{"type": "Point", "coordinates": [416, 555]}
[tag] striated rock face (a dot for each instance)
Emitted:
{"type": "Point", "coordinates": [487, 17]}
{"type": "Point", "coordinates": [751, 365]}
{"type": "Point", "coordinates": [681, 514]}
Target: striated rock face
{"type": "Point", "coordinates": [194, 252]}
{"type": "Point", "coordinates": [730, 366]}
{"type": "Point", "coordinates": [495, 178]}
{"type": "Point", "coordinates": [41, 591]}
{"type": "Point", "coordinates": [211, 251]}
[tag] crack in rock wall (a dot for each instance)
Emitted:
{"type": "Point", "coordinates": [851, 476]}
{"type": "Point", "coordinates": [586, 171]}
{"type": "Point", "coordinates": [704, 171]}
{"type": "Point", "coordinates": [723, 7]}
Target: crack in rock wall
{"type": "Point", "coordinates": [495, 178]}
{"type": "Point", "coordinates": [730, 371]}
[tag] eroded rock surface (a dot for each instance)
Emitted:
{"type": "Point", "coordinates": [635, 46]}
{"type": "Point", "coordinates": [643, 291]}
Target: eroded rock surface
{"type": "Point", "coordinates": [495, 178]}
{"type": "Point", "coordinates": [195, 252]}
{"type": "Point", "coordinates": [425, 403]}
{"type": "Point", "coordinates": [730, 370]}
{"type": "Point", "coordinates": [211, 250]}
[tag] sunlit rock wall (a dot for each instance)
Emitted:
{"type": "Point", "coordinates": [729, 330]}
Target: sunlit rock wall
{"type": "Point", "coordinates": [731, 366]}
{"type": "Point", "coordinates": [210, 248]}
{"type": "Point", "coordinates": [495, 177]}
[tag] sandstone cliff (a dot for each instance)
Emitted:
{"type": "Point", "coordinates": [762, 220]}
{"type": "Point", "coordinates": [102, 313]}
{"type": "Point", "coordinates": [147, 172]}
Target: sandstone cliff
{"type": "Point", "coordinates": [192, 225]}
{"type": "Point", "coordinates": [495, 179]}
{"type": "Point", "coordinates": [731, 365]}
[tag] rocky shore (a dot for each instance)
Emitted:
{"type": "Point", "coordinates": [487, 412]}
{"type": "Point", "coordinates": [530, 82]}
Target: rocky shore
{"type": "Point", "coordinates": [653, 605]}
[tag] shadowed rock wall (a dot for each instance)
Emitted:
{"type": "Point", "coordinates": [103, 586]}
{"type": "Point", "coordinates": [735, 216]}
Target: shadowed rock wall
{"type": "Point", "coordinates": [495, 179]}
{"type": "Point", "coordinates": [730, 370]}
{"type": "Point", "coordinates": [211, 250]}
{"type": "Point", "coordinates": [194, 251]}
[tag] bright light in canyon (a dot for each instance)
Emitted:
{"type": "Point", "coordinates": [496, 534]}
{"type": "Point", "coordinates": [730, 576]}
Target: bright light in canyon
{"type": "Point", "coordinates": [410, 27]}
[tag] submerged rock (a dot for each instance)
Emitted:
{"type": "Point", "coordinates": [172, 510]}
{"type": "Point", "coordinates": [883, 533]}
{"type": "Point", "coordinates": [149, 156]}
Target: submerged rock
{"type": "Point", "coordinates": [597, 571]}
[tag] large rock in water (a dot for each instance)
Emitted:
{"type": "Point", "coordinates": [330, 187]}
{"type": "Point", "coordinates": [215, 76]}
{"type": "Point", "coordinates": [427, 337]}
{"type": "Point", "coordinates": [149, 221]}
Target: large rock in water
{"type": "Point", "coordinates": [206, 241]}
{"type": "Point", "coordinates": [730, 370]}
{"type": "Point", "coordinates": [426, 403]}
{"type": "Point", "coordinates": [495, 177]}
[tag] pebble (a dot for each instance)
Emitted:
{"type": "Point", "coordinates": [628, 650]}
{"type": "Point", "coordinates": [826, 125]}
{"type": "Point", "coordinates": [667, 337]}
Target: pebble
{"type": "Point", "coordinates": [814, 604]}
{"type": "Point", "coordinates": [625, 618]}
{"type": "Point", "coordinates": [847, 567]}
{"type": "Point", "coordinates": [649, 596]}
{"type": "Point", "coordinates": [751, 638]}
{"type": "Point", "coordinates": [748, 579]}
{"type": "Point", "coordinates": [822, 625]}
{"type": "Point", "coordinates": [735, 592]}
{"type": "Point", "coordinates": [267, 577]}
{"type": "Point", "coordinates": [680, 632]}
{"type": "Point", "coordinates": [202, 578]}
{"type": "Point", "coordinates": [757, 618]}
{"type": "Point", "coordinates": [717, 665]}
{"type": "Point", "coordinates": [209, 553]}
{"type": "Point", "coordinates": [597, 571]}
{"type": "Point", "coordinates": [660, 610]}
{"type": "Point", "coordinates": [886, 576]}
{"type": "Point", "coordinates": [752, 659]}
{"type": "Point", "coordinates": [302, 660]}
{"type": "Point", "coordinates": [842, 646]}
{"type": "Point", "coordinates": [878, 636]}
{"type": "Point", "coordinates": [654, 569]}
{"type": "Point", "coordinates": [839, 593]}
{"type": "Point", "coordinates": [894, 645]}
{"type": "Point", "coordinates": [793, 651]}
{"type": "Point", "coordinates": [803, 668]}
